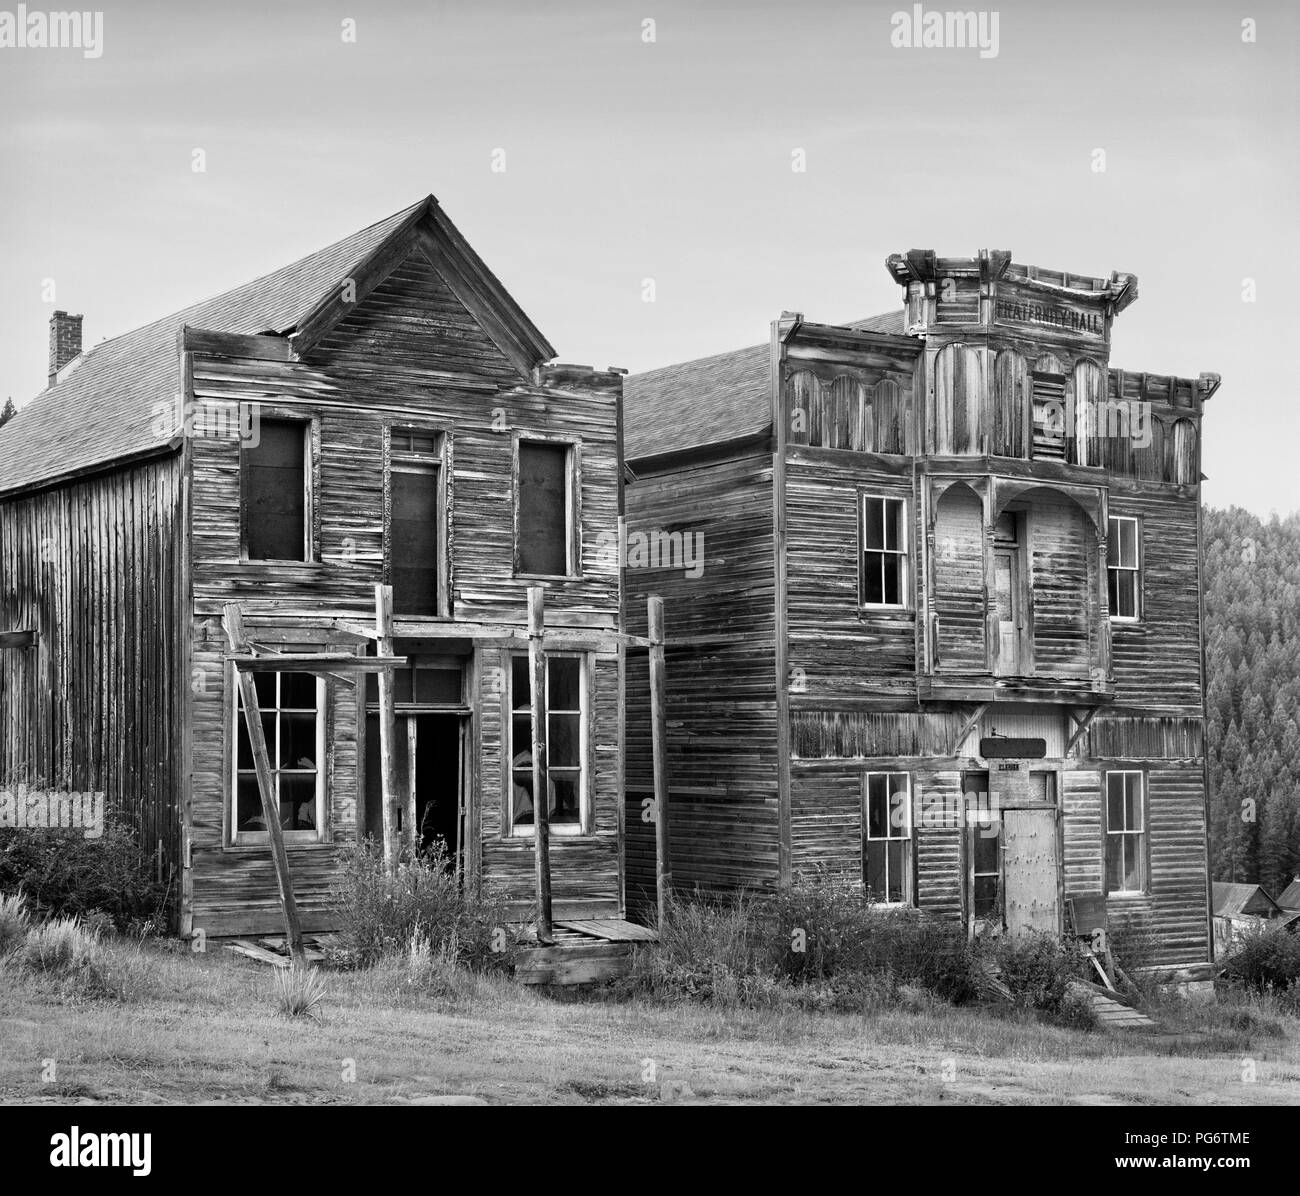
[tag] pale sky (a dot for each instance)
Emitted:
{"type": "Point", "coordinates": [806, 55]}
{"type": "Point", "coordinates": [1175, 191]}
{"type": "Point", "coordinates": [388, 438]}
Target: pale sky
{"type": "Point", "coordinates": [670, 160]}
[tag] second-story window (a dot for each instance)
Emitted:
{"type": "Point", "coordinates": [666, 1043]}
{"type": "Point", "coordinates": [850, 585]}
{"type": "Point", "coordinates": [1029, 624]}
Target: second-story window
{"type": "Point", "coordinates": [415, 529]}
{"type": "Point", "coordinates": [1123, 581]}
{"type": "Point", "coordinates": [884, 552]}
{"type": "Point", "coordinates": [276, 492]}
{"type": "Point", "coordinates": [544, 518]}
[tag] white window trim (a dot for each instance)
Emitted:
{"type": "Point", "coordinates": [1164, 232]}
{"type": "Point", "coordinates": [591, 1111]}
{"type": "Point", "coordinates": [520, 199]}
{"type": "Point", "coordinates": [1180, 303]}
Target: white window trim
{"type": "Point", "coordinates": [904, 554]}
{"type": "Point", "coordinates": [867, 837]}
{"type": "Point", "coordinates": [557, 829]}
{"type": "Point", "coordinates": [240, 838]}
{"type": "Point", "coordinates": [1139, 836]}
{"type": "Point", "coordinates": [1136, 570]}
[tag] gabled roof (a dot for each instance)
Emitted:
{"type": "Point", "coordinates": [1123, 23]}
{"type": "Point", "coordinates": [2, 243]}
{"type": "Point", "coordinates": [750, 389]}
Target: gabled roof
{"type": "Point", "coordinates": [1290, 898]}
{"type": "Point", "coordinates": [104, 408]}
{"type": "Point", "coordinates": [1241, 899]}
{"type": "Point", "coordinates": [711, 399]}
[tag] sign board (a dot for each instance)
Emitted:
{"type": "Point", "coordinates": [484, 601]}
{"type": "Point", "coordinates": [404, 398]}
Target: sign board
{"type": "Point", "coordinates": [1031, 309]}
{"type": "Point", "coordinates": [1000, 748]}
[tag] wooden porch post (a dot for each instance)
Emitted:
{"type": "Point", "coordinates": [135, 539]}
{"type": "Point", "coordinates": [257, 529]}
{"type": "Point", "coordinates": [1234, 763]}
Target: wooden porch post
{"type": "Point", "coordinates": [234, 622]}
{"type": "Point", "coordinates": [659, 749]}
{"type": "Point", "coordinates": [541, 784]}
{"type": "Point", "coordinates": [387, 726]}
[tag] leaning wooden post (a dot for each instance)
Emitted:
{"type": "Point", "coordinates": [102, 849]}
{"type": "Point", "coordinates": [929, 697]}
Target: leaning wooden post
{"type": "Point", "coordinates": [387, 726]}
{"type": "Point", "coordinates": [541, 782]}
{"type": "Point", "coordinates": [234, 621]}
{"type": "Point", "coordinates": [659, 751]}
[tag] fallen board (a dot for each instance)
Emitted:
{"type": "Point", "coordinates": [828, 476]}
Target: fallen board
{"type": "Point", "coordinates": [577, 963]}
{"type": "Point", "coordinates": [614, 930]}
{"type": "Point", "coordinates": [1111, 1013]}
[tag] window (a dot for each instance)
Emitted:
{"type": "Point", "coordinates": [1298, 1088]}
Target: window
{"type": "Point", "coordinates": [545, 518]}
{"type": "Point", "coordinates": [1125, 831]}
{"type": "Point", "coordinates": [884, 552]}
{"type": "Point", "coordinates": [292, 706]}
{"type": "Point", "coordinates": [984, 830]}
{"type": "Point", "coordinates": [415, 522]}
{"type": "Point", "coordinates": [1122, 582]}
{"type": "Point", "coordinates": [887, 837]}
{"type": "Point", "coordinates": [1049, 415]}
{"type": "Point", "coordinates": [566, 745]}
{"type": "Point", "coordinates": [276, 498]}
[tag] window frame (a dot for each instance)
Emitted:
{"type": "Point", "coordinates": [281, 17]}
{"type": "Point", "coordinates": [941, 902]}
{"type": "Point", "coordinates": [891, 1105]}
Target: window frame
{"type": "Point", "coordinates": [908, 853]}
{"type": "Point", "coordinates": [1108, 834]}
{"type": "Point", "coordinates": [904, 553]}
{"type": "Point", "coordinates": [1135, 569]}
{"type": "Point", "coordinates": [567, 830]}
{"type": "Point", "coordinates": [311, 483]}
{"type": "Point", "coordinates": [410, 461]}
{"type": "Point", "coordinates": [321, 834]}
{"type": "Point", "coordinates": [573, 502]}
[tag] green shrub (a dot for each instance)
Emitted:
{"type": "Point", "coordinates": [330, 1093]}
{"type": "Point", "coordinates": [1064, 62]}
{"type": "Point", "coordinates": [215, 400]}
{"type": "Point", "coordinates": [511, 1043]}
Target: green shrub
{"type": "Point", "coordinates": [1038, 969]}
{"type": "Point", "coordinates": [67, 875]}
{"type": "Point", "coordinates": [15, 921]}
{"type": "Point", "coordinates": [380, 915]}
{"type": "Point", "coordinates": [1268, 960]}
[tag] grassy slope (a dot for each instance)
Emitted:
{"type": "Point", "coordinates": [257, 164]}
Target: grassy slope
{"type": "Point", "coordinates": [204, 1028]}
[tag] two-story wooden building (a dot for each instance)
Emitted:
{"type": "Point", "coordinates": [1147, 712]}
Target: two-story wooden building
{"type": "Point", "coordinates": [943, 631]}
{"type": "Point", "coordinates": [380, 412]}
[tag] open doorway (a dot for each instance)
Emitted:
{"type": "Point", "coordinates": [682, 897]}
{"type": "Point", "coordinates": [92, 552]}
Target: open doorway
{"type": "Point", "coordinates": [431, 779]}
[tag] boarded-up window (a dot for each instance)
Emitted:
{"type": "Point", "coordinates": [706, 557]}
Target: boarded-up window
{"type": "Point", "coordinates": [292, 707]}
{"type": "Point", "coordinates": [275, 492]}
{"type": "Point", "coordinates": [1125, 833]}
{"type": "Point", "coordinates": [414, 547]}
{"type": "Point", "coordinates": [1049, 415]}
{"type": "Point", "coordinates": [887, 836]}
{"type": "Point", "coordinates": [565, 744]}
{"type": "Point", "coordinates": [959, 387]}
{"type": "Point", "coordinates": [1180, 454]}
{"type": "Point", "coordinates": [884, 552]}
{"type": "Point", "coordinates": [1010, 404]}
{"type": "Point", "coordinates": [1089, 391]}
{"type": "Point", "coordinates": [544, 508]}
{"type": "Point", "coordinates": [1122, 568]}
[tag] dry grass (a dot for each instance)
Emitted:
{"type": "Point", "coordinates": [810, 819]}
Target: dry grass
{"type": "Point", "coordinates": [206, 1028]}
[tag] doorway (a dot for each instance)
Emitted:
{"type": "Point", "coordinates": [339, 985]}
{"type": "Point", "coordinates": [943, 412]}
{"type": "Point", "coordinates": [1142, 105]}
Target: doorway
{"type": "Point", "coordinates": [1009, 597]}
{"type": "Point", "coordinates": [431, 777]}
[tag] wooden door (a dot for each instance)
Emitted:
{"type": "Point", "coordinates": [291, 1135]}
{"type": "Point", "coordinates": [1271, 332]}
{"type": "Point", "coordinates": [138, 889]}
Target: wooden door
{"type": "Point", "coordinates": [1007, 613]}
{"type": "Point", "coordinates": [1031, 870]}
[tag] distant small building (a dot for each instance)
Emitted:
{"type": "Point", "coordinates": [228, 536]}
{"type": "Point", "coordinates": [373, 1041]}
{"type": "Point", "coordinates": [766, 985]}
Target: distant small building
{"type": "Point", "coordinates": [1290, 898]}
{"type": "Point", "coordinates": [1241, 909]}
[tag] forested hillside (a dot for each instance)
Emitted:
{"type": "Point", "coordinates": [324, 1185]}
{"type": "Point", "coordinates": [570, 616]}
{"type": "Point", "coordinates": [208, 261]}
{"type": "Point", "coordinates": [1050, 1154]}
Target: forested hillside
{"type": "Point", "coordinates": [1252, 613]}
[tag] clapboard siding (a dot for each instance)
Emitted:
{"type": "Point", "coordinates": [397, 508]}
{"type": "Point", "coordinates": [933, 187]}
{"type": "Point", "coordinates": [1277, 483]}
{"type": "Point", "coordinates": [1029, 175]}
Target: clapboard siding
{"type": "Point", "coordinates": [1063, 563]}
{"type": "Point", "coordinates": [408, 354]}
{"type": "Point", "coordinates": [959, 580]}
{"type": "Point", "coordinates": [95, 567]}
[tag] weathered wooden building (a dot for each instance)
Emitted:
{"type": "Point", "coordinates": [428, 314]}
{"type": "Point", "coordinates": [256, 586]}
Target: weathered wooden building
{"type": "Point", "coordinates": [940, 632]}
{"type": "Point", "coordinates": [380, 412]}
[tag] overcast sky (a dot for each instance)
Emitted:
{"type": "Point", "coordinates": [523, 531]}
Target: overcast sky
{"type": "Point", "coordinates": [628, 159]}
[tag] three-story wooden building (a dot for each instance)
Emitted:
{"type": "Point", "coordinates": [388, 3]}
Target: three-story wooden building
{"type": "Point", "coordinates": [943, 631]}
{"type": "Point", "coordinates": [380, 412]}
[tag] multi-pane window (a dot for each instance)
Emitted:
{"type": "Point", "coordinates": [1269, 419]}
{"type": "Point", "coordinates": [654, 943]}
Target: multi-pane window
{"type": "Point", "coordinates": [276, 502]}
{"type": "Point", "coordinates": [887, 836]}
{"type": "Point", "coordinates": [292, 707]}
{"type": "Point", "coordinates": [1125, 833]}
{"type": "Point", "coordinates": [565, 745]}
{"type": "Point", "coordinates": [413, 532]}
{"type": "Point", "coordinates": [545, 509]}
{"type": "Point", "coordinates": [884, 552]}
{"type": "Point", "coordinates": [984, 828]}
{"type": "Point", "coordinates": [1122, 569]}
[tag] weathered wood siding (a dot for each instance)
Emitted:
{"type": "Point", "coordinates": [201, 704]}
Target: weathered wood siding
{"type": "Point", "coordinates": [95, 567]}
{"type": "Point", "coordinates": [721, 678]}
{"type": "Point", "coordinates": [409, 354]}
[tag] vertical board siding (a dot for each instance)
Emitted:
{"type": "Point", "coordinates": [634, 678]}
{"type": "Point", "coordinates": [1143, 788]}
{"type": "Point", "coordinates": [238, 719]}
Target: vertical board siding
{"type": "Point", "coordinates": [94, 567]}
{"type": "Point", "coordinates": [1065, 592]}
{"type": "Point", "coordinates": [721, 678]}
{"type": "Point", "coordinates": [959, 580]}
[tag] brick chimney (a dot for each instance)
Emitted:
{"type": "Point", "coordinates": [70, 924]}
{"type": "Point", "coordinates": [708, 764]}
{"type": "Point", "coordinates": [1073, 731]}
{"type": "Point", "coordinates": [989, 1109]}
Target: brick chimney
{"type": "Point", "coordinates": [65, 341]}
